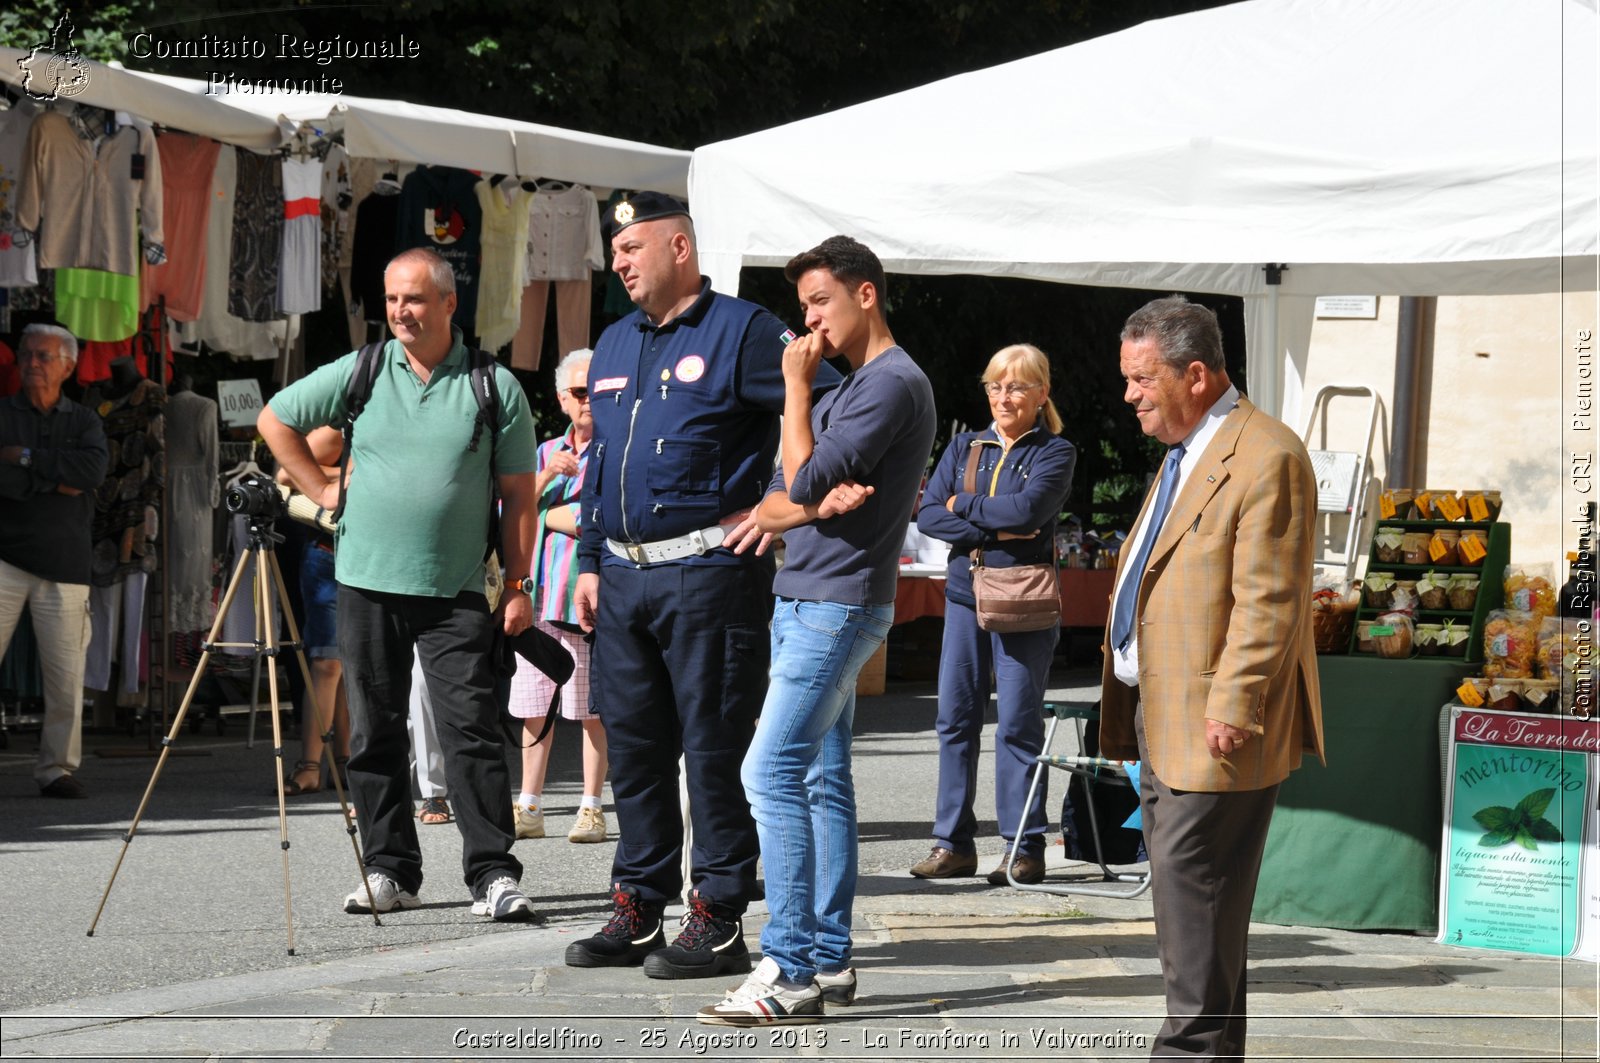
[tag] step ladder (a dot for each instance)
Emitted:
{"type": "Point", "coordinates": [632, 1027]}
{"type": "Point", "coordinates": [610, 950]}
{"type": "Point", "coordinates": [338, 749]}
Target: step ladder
{"type": "Point", "coordinates": [1346, 486]}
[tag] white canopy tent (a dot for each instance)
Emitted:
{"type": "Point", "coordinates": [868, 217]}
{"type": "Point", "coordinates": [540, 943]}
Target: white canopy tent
{"type": "Point", "coordinates": [379, 129]}
{"type": "Point", "coordinates": [440, 136]}
{"type": "Point", "coordinates": [1425, 147]}
{"type": "Point", "coordinates": [158, 100]}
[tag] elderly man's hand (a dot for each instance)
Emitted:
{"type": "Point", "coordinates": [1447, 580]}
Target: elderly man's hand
{"type": "Point", "coordinates": [1224, 739]}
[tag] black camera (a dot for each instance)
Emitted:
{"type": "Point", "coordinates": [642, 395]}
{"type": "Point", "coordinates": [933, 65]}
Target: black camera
{"type": "Point", "coordinates": [256, 495]}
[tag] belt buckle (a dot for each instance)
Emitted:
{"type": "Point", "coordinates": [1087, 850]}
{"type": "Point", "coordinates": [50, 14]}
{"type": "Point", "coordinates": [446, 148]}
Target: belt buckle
{"type": "Point", "coordinates": [635, 552]}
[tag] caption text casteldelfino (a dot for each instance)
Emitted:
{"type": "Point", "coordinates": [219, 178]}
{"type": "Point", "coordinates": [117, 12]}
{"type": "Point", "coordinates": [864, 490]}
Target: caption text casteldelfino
{"type": "Point", "coordinates": [284, 46]}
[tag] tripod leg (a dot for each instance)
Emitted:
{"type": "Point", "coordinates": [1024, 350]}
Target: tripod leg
{"type": "Point", "coordinates": [177, 724]}
{"type": "Point", "coordinates": [325, 731]}
{"type": "Point", "coordinates": [264, 557]}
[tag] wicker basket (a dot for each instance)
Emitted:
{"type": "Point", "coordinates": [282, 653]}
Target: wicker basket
{"type": "Point", "coordinates": [1331, 629]}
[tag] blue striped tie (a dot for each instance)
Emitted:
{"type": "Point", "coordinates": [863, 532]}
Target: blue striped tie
{"type": "Point", "coordinates": [1128, 596]}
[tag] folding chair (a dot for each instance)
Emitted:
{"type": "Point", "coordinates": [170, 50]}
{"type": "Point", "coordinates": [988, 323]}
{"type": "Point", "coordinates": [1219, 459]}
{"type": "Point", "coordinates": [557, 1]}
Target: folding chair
{"type": "Point", "coordinates": [1095, 771]}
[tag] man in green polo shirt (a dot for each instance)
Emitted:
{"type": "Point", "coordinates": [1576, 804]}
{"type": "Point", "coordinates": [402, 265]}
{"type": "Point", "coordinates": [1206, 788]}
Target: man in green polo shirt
{"type": "Point", "coordinates": [409, 564]}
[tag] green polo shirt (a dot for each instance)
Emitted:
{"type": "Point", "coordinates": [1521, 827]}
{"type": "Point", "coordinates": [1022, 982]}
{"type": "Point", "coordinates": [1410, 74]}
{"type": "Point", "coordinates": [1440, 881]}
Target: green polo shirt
{"type": "Point", "coordinates": [416, 516]}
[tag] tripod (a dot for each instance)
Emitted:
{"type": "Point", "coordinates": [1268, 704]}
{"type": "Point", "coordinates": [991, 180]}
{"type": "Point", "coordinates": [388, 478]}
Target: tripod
{"type": "Point", "coordinates": [260, 547]}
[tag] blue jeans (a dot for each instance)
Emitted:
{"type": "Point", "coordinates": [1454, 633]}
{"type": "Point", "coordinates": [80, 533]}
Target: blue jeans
{"type": "Point", "coordinates": [797, 776]}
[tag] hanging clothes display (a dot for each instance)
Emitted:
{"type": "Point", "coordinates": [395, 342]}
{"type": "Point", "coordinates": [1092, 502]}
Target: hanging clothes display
{"type": "Point", "coordinates": [257, 235]}
{"type": "Point", "coordinates": [217, 327]}
{"type": "Point", "coordinates": [377, 221]}
{"type": "Point", "coordinates": [616, 302]}
{"type": "Point", "coordinates": [126, 505]}
{"type": "Point", "coordinates": [17, 259]}
{"type": "Point", "coordinates": [193, 493]}
{"type": "Point", "coordinates": [300, 253]}
{"type": "Point", "coordinates": [188, 163]}
{"type": "Point", "coordinates": [505, 261]}
{"type": "Point", "coordinates": [439, 211]}
{"type": "Point", "coordinates": [116, 615]}
{"type": "Point", "coordinates": [97, 305]}
{"type": "Point", "coordinates": [88, 199]}
{"type": "Point", "coordinates": [337, 204]}
{"type": "Point", "coordinates": [563, 250]}
{"type": "Point", "coordinates": [10, 378]}
{"type": "Point", "coordinates": [95, 356]}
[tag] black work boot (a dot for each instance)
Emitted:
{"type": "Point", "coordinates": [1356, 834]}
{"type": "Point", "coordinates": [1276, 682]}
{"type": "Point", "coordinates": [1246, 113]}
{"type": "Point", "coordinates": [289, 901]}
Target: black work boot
{"type": "Point", "coordinates": [711, 943]}
{"type": "Point", "coordinates": [633, 932]}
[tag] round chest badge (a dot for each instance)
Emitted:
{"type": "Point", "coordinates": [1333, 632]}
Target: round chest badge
{"type": "Point", "coordinates": [691, 369]}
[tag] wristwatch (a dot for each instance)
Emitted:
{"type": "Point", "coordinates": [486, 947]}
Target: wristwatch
{"type": "Point", "coordinates": [527, 585]}
{"type": "Point", "coordinates": [25, 459]}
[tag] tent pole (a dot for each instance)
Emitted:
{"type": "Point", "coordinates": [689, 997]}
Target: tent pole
{"type": "Point", "coordinates": [1272, 377]}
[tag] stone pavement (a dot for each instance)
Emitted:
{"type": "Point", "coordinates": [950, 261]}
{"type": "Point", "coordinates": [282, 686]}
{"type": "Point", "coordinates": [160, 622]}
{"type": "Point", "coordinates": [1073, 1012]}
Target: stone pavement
{"type": "Point", "coordinates": [189, 958]}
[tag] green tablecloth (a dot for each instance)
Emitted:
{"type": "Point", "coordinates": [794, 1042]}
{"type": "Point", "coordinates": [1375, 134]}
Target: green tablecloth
{"type": "Point", "coordinates": [1355, 845]}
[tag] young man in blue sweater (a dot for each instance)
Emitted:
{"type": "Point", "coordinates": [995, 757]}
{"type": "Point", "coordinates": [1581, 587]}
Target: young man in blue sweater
{"type": "Point", "coordinates": [851, 468]}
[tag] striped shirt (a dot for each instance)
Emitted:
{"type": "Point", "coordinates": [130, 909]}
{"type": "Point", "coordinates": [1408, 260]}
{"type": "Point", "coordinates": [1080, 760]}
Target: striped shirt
{"type": "Point", "coordinates": [558, 554]}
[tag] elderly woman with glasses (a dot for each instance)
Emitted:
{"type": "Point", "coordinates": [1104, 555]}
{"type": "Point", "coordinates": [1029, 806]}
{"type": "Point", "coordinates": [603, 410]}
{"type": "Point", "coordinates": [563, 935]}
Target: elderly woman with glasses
{"type": "Point", "coordinates": [1024, 473]}
{"type": "Point", "coordinates": [562, 463]}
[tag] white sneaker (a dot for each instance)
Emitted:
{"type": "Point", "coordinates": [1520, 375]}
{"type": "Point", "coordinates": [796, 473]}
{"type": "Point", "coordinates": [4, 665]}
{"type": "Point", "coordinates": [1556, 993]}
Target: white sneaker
{"type": "Point", "coordinates": [529, 821]}
{"type": "Point", "coordinates": [590, 827]}
{"type": "Point", "coordinates": [838, 988]}
{"type": "Point", "coordinates": [386, 896]}
{"type": "Point", "coordinates": [760, 1001]}
{"type": "Point", "coordinates": [504, 902]}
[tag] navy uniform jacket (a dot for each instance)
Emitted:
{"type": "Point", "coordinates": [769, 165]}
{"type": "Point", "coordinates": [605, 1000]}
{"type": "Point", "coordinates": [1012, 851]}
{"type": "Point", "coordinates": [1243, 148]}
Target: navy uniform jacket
{"type": "Point", "coordinates": [685, 424]}
{"type": "Point", "coordinates": [1027, 493]}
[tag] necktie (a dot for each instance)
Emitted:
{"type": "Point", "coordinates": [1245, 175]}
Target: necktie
{"type": "Point", "coordinates": [1122, 609]}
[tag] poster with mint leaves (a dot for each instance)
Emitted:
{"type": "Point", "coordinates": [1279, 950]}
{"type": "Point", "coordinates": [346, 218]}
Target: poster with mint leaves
{"type": "Point", "coordinates": [1524, 824]}
{"type": "Point", "coordinates": [1513, 839]}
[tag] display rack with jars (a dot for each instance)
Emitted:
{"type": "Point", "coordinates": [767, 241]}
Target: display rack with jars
{"type": "Point", "coordinates": [1405, 551]}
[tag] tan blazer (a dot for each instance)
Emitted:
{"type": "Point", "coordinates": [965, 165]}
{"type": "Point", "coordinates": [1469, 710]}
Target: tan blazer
{"type": "Point", "coordinates": [1223, 617]}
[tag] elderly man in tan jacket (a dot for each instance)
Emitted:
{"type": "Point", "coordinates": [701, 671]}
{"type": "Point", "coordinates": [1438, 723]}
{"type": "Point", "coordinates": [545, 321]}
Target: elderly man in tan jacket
{"type": "Point", "coordinates": [1210, 675]}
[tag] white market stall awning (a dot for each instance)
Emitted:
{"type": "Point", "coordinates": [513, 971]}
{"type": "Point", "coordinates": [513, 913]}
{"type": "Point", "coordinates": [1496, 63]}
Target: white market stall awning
{"type": "Point", "coordinates": [440, 136]}
{"type": "Point", "coordinates": [377, 128]}
{"type": "Point", "coordinates": [1424, 147]}
{"type": "Point", "coordinates": [171, 101]}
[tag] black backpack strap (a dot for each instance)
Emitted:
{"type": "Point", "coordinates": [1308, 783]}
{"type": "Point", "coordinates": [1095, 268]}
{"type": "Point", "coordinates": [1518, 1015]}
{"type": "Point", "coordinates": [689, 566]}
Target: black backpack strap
{"type": "Point", "coordinates": [487, 396]}
{"type": "Point", "coordinates": [356, 394]}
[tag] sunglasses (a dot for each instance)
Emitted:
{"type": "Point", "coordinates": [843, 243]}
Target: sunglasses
{"type": "Point", "coordinates": [581, 394]}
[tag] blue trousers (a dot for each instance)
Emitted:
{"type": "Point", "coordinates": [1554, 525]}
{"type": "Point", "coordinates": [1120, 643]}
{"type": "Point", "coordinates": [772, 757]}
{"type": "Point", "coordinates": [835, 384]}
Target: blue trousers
{"type": "Point", "coordinates": [679, 667]}
{"type": "Point", "coordinates": [1020, 665]}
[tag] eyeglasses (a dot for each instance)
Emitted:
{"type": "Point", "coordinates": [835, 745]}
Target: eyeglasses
{"type": "Point", "coordinates": [1016, 391]}
{"type": "Point", "coordinates": [40, 357]}
{"type": "Point", "coordinates": [580, 394]}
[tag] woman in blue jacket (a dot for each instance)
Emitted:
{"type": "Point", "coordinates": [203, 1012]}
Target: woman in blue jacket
{"type": "Point", "coordinates": [1024, 475]}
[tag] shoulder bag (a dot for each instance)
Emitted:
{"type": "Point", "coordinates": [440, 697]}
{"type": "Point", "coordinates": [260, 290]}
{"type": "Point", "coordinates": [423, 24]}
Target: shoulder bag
{"type": "Point", "coordinates": [1018, 598]}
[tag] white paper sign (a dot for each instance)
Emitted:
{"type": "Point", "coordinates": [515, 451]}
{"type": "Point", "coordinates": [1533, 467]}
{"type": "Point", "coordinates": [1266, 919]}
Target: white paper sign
{"type": "Point", "coordinates": [240, 402]}
{"type": "Point", "coordinates": [1353, 306]}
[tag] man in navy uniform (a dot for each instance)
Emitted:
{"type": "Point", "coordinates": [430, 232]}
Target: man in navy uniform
{"type": "Point", "coordinates": [686, 393]}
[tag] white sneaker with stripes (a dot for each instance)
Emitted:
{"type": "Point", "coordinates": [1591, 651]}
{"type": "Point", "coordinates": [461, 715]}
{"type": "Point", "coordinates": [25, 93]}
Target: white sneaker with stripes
{"type": "Point", "coordinates": [760, 1001]}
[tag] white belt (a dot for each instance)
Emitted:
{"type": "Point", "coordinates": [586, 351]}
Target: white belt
{"type": "Point", "coordinates": [694, 544]}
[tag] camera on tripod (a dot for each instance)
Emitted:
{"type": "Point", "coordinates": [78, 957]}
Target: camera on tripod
{"type": "Point", "coordinates": [256, 495]}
